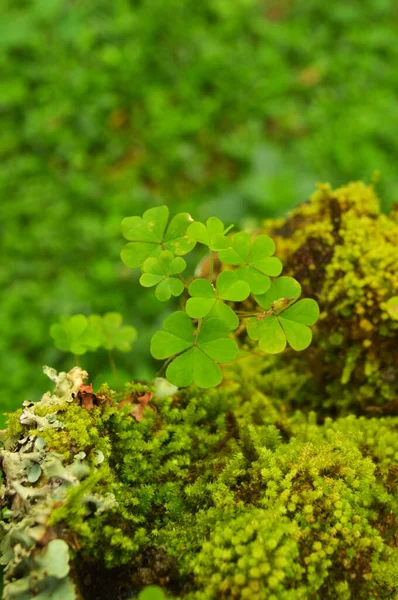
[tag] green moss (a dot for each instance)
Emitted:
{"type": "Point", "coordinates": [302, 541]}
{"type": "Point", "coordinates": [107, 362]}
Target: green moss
{"type": "Point", "coordinates": [243, 497]}
{"type": "Point", "coordinates": [344, 252]}
{"type": "Point", "coordinates": [14, 427]}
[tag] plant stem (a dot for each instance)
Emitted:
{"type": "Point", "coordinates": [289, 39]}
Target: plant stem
{"type": "Point", "coordinates": [76, 359]}
{"type": "Point", "coordinates": [165, 364]}
{"type": "Point", "coordinates": [198, 330]}
{"type": "Point", "coordinates": [114, 369]}
{"type": "Point", "coordinates": [186, 285]}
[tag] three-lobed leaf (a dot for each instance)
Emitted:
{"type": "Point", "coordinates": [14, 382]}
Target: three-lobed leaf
{"type": "Point", "coordinates": [207, 300]}
{"type": "Point", "coordinates": [286, 320]}
{"type": "Point", "coordinates": [69, 334]}
{"type": "Point", "coordinates": [115, 334]}
{"type": "Point", "coordinates": [160, 272]}
{"type": "Point", "coordinates": [255, 258]}
{"type": "Point", "coordinates": [149, 235]}
{"type": "Point", "coordinates": [199, 352]}
{"type": "Point", "coordinates": [79, 334]}
{"type": "Point", "coordinates": [212, 234]}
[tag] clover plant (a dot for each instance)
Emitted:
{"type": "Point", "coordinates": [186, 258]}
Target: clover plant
{"type": "Point", "coordinates": [79, 334]}
{"type": "Point", "coordinates": [197, 339]}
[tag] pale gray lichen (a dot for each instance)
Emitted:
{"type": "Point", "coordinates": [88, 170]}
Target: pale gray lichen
{"type": "Point", "coordinates": [35, 482]}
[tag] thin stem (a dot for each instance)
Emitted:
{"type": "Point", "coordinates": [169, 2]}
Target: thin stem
{"type": "Point", "coordinates": [163, 367]}
{"type": "Point", "coordinates": [211, 267]}
{"type": "Point", "coordinates": [248, 355]}
{"type": "Point", "coordinates": [76, 359]}
{"type": "Point", "coordinates": [114, 369]}
{"type": "Point", "coordinates": [186, 284]}
{"type": "Point", "coordinates": [198, 330]}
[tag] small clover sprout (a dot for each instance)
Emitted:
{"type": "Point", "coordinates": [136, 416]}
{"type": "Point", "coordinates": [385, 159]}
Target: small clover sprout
{"type": "Point", "coordinates": [160, 271]}
{"type": "Point", "coordinates": [285, 319]}
{"type": "Point", "coordinates": [69, 334]}
{"type": "Point", "coordinates": [150, 235]}
{"type": "Point", "coordinates": [78, 334]}
{"type": "Point", "coordinates": [208, 301]}
{"type": "Point", "coordinates": [115, 334]}
{"type": "Point", "coordinates": [198, 350]}
{"type": "Point", "coordinates": [212, 234]}
{"type": "Point", "coordinates": [255, 258]}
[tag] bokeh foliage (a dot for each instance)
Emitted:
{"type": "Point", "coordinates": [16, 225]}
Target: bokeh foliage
{"type": "Point", "coordinates": [217, 107]}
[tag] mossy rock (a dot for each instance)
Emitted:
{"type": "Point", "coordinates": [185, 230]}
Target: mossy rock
{"type": "Point", "coordinates": [208, 495]}
{"type": "Point", "coordinates": [344, 252]}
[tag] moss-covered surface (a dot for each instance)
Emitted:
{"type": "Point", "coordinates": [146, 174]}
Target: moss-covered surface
{"type": "Point", "coordinates": [243, 491]}
{"type": "Point", "coordinates": [344, 252]}
{"type": "Point", "coordinates": [223, 494]}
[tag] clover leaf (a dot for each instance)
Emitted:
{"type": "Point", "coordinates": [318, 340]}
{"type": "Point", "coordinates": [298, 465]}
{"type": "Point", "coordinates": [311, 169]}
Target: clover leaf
{"type": "Point", "coordinates": [79, 334]}
{"type": "Point", "coordinates": [149, 235]}
{"type": "Point", "coordinates": [152, 592]}
{"type": "Point", "coordinates": [256, 259]}
{"type": "Point", "coordinates": [116, 335]}
{"type": "Point", "coordinates": [69, 334]}
{"type": "Point", "coordinates": [159, 271]}
{"type": "Point", "coordinates": [285, 319]}
{"type": "Point", "coordinates": [212, 234]}
{"type": "Point", "coordinates": [208, 301]}
{"type": "Point", "coordinates": [199, 350]}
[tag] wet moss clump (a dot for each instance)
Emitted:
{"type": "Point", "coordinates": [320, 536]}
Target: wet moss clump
{"type": "Point", "coordinates": [344, 252]}
{"type": "Point", "coordinates": [216, 494]}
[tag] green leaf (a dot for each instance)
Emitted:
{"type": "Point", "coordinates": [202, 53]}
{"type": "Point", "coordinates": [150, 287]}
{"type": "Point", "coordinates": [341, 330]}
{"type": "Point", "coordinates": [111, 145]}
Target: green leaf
{"type": "Point", "coordinates": [229, 287]}
{"type": "Point", "coordinates": [269, 334]}
{"type": "Point", "coordinates": [284, 321]}
{"type": "Point", "coordinates": [177, 239]}
{"type": "Point", "coordinates": [152, 592]}
{"type": "Point", "coordinates": [116, 335]}
{"type": "Point", "coordinates": [208, 301]}
{"type": "Point", "coordinates": [304, 311]}
{"type": "Point", "coordinates": [68, 334]}
{"type": "Point", "coordinates": [224, 313]}
{"type": "Point", "coordinates": [255, 258]}
{"type": "Point", "coordinates": [194, 366]}
{"type": "Point", "coordinates": [203, 298]}
{"type": "Point", "coordinates": [93, 337]}
{"type": "Point", "coordinates": [298, 335]}
{"type": "Point", "coordinates": [79, 334]}
{"type": "Point", "coordinates": [176, 336]}
{"type": "Point", "coordinates": [212, 234]}
{"type": "Point", "coordinates": [282, 288]}
{"type": "Point", "coordinates": [198, 352]}
{"type": "Point", "coordinates": [159, 271]}
{"type": "Point", "coordinates": [148, 236]}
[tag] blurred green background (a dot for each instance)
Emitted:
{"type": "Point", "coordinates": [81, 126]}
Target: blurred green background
{"type": "Point", "coordinates": [227, 107]}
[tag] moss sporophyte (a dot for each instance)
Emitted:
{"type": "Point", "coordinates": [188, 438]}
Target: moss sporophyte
{"type": "Point", "coordinates": [240, 490]}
